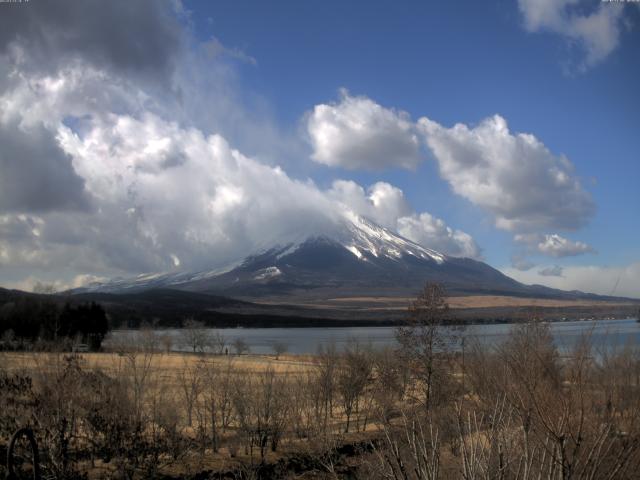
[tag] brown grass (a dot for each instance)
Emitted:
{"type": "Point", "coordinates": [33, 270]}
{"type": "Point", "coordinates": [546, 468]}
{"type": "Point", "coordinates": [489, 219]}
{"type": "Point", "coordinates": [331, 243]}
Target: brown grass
{"type": "Point", "coordinates": [167, 365]}
{"type": "Point", "coordinates": [476, 301]}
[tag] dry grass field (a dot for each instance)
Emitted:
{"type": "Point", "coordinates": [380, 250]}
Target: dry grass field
{"type": "Point", "coordinates": [169, 365]}
{"type": "Point", "coordinates": [196, 400]}
{"type": "Point", "coordinates": [475, 301]}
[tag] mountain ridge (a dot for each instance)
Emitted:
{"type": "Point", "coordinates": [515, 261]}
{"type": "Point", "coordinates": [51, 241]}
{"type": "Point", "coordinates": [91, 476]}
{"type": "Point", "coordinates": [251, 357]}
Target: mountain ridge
{"type": "Point", "coordinates": [360, 258]}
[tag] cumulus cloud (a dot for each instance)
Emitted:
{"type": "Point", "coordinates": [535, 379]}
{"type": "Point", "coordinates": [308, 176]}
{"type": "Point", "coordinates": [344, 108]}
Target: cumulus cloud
{"type": "Point", "coordinates": [602, 280]}
{"type": "Point", "coordinates": [181, 194]}
{"type": "Point", "coordinates": [432, 232]}
{"type": "Point", "coordinates": [553, 245]}
{"type": "Point", "coordinates": [557, 246]}
{"type": "Point", "coordinates": [382, 202]}
{"type": "Point", "coordinates": [596, 30]}
{"type": "Point", "coordinates": [513, 176]}
{"type": "Point", "coordinates": [555, 271]}
{"type": "Point", "coordinates": [357, 133]}
{"type": "Point", "coordinates": [64, 60]}
{"type": "Point", "coordinates": [386, 205]}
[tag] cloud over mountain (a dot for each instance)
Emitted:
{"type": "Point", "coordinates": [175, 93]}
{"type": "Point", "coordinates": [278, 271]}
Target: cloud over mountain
{"type": "Point", "coordinates": [426, 229]}
{"type": "Point", "coordinates": [386, 205]}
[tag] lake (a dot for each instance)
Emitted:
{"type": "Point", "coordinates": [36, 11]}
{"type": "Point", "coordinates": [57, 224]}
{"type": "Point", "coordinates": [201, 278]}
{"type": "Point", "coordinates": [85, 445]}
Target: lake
{"type": "Point", "coordinates": [604, 333]}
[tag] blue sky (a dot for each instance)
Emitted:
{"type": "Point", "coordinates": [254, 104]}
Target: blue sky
{"type": "Point", "coordinates": [190, 83]}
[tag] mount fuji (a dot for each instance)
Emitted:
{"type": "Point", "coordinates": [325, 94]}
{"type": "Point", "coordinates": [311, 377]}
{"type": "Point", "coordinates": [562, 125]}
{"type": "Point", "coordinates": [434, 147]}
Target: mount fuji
{"type": "Point", "coordinates": [358, 259]}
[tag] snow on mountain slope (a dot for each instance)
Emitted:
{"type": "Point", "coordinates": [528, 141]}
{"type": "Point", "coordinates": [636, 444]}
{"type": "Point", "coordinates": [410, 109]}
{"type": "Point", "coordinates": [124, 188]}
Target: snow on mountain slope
{"type": "Point", "coordinates": [363, 238]}
{"type": "Point", "coordinates": [362, 235]}
{"type": "Point", "coordinates": [148, 281]}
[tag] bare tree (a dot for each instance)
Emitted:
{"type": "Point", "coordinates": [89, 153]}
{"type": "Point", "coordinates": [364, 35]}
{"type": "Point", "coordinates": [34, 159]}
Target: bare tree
{"type": "Point", "coordinates": [327, 366]}
{"type": "Point", "coordinates": [216, 400]}
{"type": "Point", "coordinates": [424, 339]}
{"type": "Point", "coordinates": [279, 348]}
{"type": "Point", "coordinates": [262, 405]}
{"type": "Point", "coordinates": [148, 339]}
{"type": "Point", "coordinates": [391, 377]}
{"type": "Point", "coordinates": [216, 342]}
{"type": "Point", "coordinates": [190, 383]}
{"type": "Point", "coordinates": [240, 346]}
{"type": "Point", "coordinates": [542, 416]}
{"type": "Point", "coordinates": [354, 375]}
{"type": "Point", "coordinates": [194, 335]}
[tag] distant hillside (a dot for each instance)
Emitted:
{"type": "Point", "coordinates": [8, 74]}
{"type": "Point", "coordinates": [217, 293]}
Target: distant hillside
{"type": "Point", "coordinates": [170, 308]}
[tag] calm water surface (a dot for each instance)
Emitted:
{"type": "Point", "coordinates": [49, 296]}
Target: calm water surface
{"type": "Point", "coordinates": [604, 334]}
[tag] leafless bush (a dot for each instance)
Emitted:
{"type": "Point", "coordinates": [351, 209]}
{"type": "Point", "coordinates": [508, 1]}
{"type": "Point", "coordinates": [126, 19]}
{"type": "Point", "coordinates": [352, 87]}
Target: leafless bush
{"type": "Point", "coordinates": [327, 364]}
{"type": "Point", "coordinates": [391, 377]}
{"type": "Point", "coordinates": [409, 451]}
{"type": "Point", "coordinates": [575, 417]}
{"type": "Point", "coordinates": [262, 405]}
{"type": "Point", "coordinates": [240, 346]}
{"type": "Point", "coordinates": [279, 348]}
{"type": "Point", "coordinates": [354, 376]}
{"type": "Point", "coordinates": [215, 407]}
{"type": "Point", "coordinates": [200, 339]}
{"type": "Point", "coordinates": [190, 385]}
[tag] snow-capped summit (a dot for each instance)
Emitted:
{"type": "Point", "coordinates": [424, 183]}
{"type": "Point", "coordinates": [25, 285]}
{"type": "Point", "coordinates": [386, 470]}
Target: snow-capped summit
{"type": "Point", "coordinates": [362, 235]}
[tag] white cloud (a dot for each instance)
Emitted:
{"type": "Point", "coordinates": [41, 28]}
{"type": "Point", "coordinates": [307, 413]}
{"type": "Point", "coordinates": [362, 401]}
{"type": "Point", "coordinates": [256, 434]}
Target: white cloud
{"type": "Point", "coordinates": [386, 205]}
{"type": "Point", "coordinates": [382, 202]}
{"type": "Point", "coordinates": [432, 232]}
{"type": "Point", "coordinates": [357, 133]}
{"type": "Point", "coordinates": [597, 31]}
{"type": "Point", "coordinates": [552, 245]}
{"type": "Point", "coordinates": [513, 176]}
{"type": "Point", "coordinates": [174, 192]}
{"type": "Point", "coordinates": [602, 280]}
{"type": "Point", "coordinates": [556, 246]}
